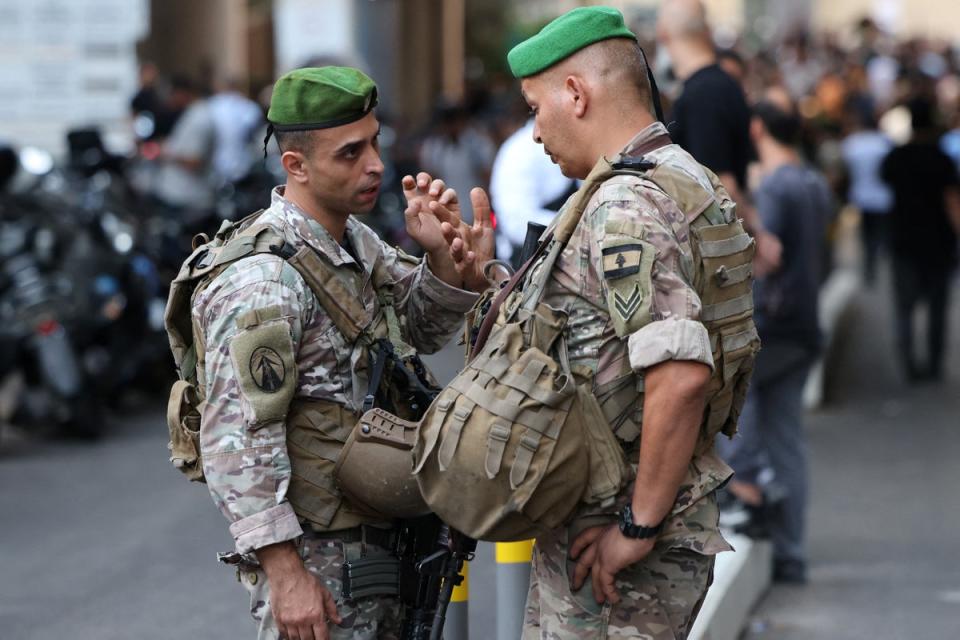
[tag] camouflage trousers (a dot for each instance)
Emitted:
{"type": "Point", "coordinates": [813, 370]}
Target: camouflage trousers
{"type": "Point", "coordinates": [363, 618]}
{"type": "Point", "coordinates": [660, 596]}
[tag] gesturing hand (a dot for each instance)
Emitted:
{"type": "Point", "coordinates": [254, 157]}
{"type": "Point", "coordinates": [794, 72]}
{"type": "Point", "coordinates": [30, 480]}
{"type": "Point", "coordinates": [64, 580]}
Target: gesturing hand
{"type": "Point", "coordinates": [603, 552]}
{"type": "Point", "coordinates": [422, 222]}
{"type": "Point", "coordinates": [471, 246]}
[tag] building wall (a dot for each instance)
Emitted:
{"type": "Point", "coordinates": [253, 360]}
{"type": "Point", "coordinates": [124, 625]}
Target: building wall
{"type": "Point", "coordinates": [203, 40]}
{"type": "Point", "coordinates": [65, 64]}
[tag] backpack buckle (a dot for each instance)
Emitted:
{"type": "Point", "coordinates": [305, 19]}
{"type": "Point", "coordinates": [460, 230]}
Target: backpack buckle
{"type": "Point", "coordinates": [202, 260]}
{"type": "Point", "coordinates": [633, 163]}
{"type": "Point", "coordinates": [284, 250]}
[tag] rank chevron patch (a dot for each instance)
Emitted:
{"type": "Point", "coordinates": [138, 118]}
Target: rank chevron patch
{"type": "Point", "coordinates": [626, 307]}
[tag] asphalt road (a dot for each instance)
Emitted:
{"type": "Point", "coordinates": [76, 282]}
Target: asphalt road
{"type": "Point", "coordinates": [884, 517]}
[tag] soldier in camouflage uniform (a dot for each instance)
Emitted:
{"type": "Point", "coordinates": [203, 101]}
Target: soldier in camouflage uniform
{"type": "Point", "coordinates": [635, 326]}
{"type": "Point", "coordinates": [289, 560]}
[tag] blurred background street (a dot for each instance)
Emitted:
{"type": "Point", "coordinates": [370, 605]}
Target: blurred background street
{"type": "Point", "coordinates": [129, 126]}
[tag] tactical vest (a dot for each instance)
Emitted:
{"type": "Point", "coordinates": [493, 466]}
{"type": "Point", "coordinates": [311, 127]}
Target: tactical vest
{"type": "Point", "coordinates": [317, 430]}
{"type": "Point", "coordinates": [517, 441]}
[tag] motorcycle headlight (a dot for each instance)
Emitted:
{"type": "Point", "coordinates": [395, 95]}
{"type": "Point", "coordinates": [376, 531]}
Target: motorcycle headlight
{"type": "Point", "coordinates": [36, 161]}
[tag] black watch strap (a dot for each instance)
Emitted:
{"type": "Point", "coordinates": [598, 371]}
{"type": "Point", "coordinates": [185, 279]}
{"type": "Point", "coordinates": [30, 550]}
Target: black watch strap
{"type": "Point", "coordinates": [636, 531]}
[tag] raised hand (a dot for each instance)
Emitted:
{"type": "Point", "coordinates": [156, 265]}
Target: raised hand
{"type": "Point", "coordinates": [422, 222]}
{"type": "Point", "coordinates": [471, 246]}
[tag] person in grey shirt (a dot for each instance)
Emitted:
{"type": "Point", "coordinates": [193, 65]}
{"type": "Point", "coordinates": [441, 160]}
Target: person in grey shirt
{"type": "Point", "coordinates": [185, 177]}
{"type": "Point", "coordinates": [794, 203]}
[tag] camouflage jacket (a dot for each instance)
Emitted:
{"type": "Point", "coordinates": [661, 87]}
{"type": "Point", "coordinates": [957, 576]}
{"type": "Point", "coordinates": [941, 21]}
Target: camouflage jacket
{"type": "Point", "coordinates": [633, 238]}
{"type": "Point", "coordinates": [246, 464]}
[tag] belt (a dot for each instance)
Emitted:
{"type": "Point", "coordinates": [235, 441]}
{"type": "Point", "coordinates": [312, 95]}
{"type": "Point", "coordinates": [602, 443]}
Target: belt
{"type": "Point", "coordinates": [385, 538]}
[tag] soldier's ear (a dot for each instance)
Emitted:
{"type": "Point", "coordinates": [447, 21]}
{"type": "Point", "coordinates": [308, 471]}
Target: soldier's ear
{"type": "Point", "coordinates": [294, 163]}
{"type": "Point", "coordinates": [575, 94]}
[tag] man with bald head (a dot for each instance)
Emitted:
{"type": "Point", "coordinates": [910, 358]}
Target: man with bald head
{"type": "Point", "coordinates": [637, 333]}
{"type": "Point", "coordinates": [711, 118]}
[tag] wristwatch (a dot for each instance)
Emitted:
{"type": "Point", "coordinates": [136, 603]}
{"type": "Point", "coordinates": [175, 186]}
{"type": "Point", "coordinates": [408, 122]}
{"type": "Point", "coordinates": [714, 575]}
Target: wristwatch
{"type": "Point", "coordinates": [636, 531]}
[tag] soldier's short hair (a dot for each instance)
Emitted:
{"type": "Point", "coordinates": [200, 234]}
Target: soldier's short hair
{"type": "Point", "coordinates": [620, 61]}
{"type": "Point", "coordinates": [301, 141]}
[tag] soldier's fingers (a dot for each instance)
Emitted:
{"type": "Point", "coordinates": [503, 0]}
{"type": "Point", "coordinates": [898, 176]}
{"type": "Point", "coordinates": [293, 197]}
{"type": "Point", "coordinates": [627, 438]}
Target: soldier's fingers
{"type": "Point", "coordinates": [585, 539]}
{"type": "Point", "coordinates": [423, 180]}
{"type": "Point", "coordinates": [330, 608]}
{"type": "Point", "coordinates": [306, 632]}
{"type": "Point", "coordinates": [437, 187]}
{"type": "Point", "coordinates": [598, 593]}
{"type": "Point", "coordinates": [609, 587]}
{"type": "Point", "coordinates": [583, 566]}
{"type": "Point", "coordinates": [457, 250]}
{"type": "Point", "coordinates": [442, 213]}
{"type": "Point", "coordinates": [321, 631]}
{"type": "Point", "coordinates": [449, 196]}
{"type": "Point", "coordinates": [481, 207]}
{"type": "Point", "coordinates": [449, 232]}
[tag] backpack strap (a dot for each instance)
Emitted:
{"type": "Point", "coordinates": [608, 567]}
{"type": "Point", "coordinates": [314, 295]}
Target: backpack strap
{"type": "Point", "coordinates": [332, 290]}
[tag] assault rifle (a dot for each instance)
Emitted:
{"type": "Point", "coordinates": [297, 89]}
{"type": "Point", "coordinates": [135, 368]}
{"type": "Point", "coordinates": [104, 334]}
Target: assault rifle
{"type": "Point", "coordinates": [431, 559]}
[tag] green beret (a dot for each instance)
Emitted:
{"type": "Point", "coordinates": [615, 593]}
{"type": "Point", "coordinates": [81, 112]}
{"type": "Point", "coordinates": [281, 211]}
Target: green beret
{"type": "Point", "coordinates": [565, 36]}
{"type": "Point", "coordinates": [321, 97]}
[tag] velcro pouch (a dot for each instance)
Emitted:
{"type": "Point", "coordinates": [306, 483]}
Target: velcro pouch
{"type": "Point", "coordinates": [183, 424]}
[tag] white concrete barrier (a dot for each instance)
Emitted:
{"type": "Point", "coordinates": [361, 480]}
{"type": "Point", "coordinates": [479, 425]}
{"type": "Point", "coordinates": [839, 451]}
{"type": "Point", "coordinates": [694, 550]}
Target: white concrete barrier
{"type": "Point", "coordinates": [740, 579]}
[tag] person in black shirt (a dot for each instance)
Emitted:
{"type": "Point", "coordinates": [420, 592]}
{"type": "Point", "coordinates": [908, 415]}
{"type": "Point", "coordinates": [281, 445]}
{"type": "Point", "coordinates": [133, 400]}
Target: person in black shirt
{"type": "Point", "coordinates": [711, 119]}
{"type": "Point", "coordinates": [925, 222]}
{"type": "Point", "coordinates": [712, 122]}
{"type": "Point", "coordinates": [150, 100]}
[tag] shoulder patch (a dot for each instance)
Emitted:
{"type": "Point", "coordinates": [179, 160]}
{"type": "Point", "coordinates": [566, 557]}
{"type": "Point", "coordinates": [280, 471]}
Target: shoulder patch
{"type": "Point", "coordinates": [265, 364]}
{"type": "Point", "coordinates": [627, 272]}
{"type": "Point", "coordinates": [267, 369]}
{"type": "Point", "coordinates": [621, 260]}
{"type": "Point", "coordinates": [626, 305]}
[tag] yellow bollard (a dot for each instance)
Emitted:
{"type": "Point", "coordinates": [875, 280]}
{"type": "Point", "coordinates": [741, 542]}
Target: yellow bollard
{"type": "Point", "coordinates": [513, 580]}
{"type": "Point", "coordinates": [457, 625]}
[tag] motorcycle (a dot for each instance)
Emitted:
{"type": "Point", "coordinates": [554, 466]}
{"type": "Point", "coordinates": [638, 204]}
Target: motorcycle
{"type": "Point", "coordinates": [80, 306]}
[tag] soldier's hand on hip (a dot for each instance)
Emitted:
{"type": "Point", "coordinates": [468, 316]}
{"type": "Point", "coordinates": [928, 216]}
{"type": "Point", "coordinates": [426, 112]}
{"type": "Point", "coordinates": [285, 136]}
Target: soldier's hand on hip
{"type": "Point", "coordinates": [603, 552]}
{"type": "Point", "coordinates": [301, 605]}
